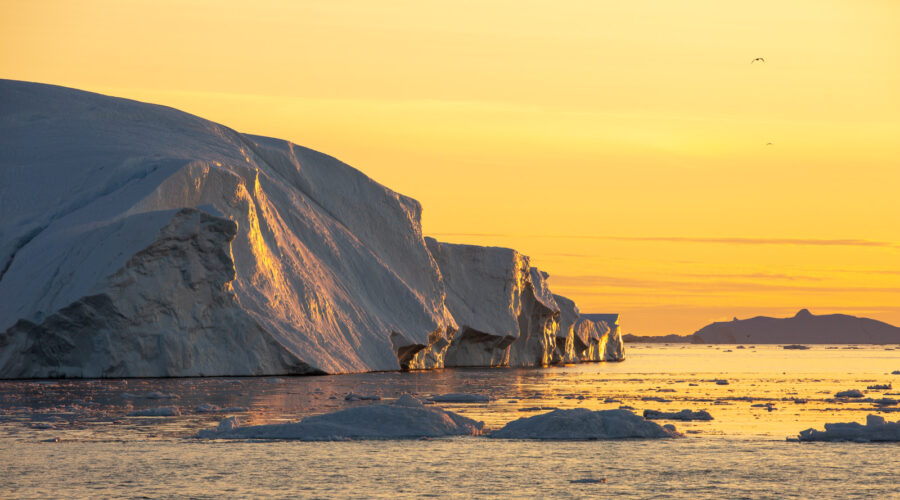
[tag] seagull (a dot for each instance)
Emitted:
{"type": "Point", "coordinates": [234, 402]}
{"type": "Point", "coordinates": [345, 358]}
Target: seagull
{"type": "Point", "coordinates": [768, 144]}
{"type": "Point", "coordinates": [760, 59]}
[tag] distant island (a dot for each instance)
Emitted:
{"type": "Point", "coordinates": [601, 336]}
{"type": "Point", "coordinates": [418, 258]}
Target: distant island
{"type": "Point", "coordinates": [803, 328]}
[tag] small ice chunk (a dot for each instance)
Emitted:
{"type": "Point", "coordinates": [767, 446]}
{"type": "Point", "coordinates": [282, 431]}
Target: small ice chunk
{"type": "Point", "coordinates": [408, 400]}
{"type": "Point", "coordinates": [227, 425]}
{"type": "Point", "coordinates": [210, 408]}
{"type": "Point", "coordinates": [583, 424]}
{"type": "Point", "coordinates": [361, 397]}
{"type": "Point", "coordinates": [852, 393]}
{"type": "Point", "coordinates": [159, 395]}
{"type": "Point", "coordinates": [206, 408]}
{"type": "Point", "coordinates": [680, 415]}
{"type": "Point", "coordinates": [150, 395]}
{"type": "Point", "coordinates": [457, 397]}
{"type": "Point", "coordinates": [163, 411]}
{"type": "Point", "coordinates": [879, 387]}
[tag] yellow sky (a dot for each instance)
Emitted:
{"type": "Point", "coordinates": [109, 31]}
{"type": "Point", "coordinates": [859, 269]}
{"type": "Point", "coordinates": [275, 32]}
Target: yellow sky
{"type": "Point", "coordinates": [623, 145]}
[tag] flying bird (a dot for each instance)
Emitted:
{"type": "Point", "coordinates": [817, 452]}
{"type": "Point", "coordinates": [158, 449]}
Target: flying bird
{"type": "Point", "coordinates": [768, 144]}
{"type": "Point", "coordinates": [760, 59]}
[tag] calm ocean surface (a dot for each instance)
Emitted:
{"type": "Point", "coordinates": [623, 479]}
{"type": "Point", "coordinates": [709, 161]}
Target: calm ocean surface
{"type": "Point", "coordinates": [101, 452]}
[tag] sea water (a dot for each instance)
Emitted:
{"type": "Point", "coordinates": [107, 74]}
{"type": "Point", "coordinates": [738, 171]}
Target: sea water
{"type": "Point", "coordinates": [73, 438]}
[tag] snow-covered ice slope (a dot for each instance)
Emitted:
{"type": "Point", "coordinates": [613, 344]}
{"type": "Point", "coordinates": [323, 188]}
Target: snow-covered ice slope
{"type": "Point", "coordinates": [138, 240]}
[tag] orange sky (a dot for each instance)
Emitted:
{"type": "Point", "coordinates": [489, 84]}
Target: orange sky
{"type": "Point", "coordinates": [623, 145]}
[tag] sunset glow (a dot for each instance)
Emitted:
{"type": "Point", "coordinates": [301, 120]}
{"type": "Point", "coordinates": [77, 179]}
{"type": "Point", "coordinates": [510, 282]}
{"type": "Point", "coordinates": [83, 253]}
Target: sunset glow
{"type": "Point", "coordinates": [630, 148]}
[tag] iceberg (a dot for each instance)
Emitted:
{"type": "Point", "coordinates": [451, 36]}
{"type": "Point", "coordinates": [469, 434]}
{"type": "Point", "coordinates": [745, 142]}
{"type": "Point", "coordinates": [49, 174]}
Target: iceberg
{"type": "Point", "coordinates": [406, 418]}
{"type": "Point", "coordinates": [141, 241]}
{"type": "Point", "coordinates": [584, 424]}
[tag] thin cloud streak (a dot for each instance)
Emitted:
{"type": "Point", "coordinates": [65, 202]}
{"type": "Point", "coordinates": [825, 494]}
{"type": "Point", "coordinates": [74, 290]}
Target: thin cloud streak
{"type": "Point", "coordinates": [595, 281]}
{"type": "Point", "coordinates": [761, 276]}
{"type": "Point", "coordinates": [685, 239]}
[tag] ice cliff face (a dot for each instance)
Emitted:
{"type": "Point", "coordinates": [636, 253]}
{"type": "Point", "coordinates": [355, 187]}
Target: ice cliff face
{"type": "Point", "coordinates": [138, 240]}
{"type": "Point", "coordinates": [609, 346]}
{"type": "Point", "coordinates": [505, 312]}
{"type": "Point", "coordinates": [507, 315]}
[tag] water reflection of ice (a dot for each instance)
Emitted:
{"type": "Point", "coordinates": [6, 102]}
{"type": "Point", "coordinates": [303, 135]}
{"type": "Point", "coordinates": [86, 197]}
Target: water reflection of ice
{"type": "Point", "coordinates": [771, 393]}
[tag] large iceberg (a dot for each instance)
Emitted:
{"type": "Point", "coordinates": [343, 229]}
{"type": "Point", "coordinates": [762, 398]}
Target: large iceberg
{"type": "Point", "coordinates": [140, 241]}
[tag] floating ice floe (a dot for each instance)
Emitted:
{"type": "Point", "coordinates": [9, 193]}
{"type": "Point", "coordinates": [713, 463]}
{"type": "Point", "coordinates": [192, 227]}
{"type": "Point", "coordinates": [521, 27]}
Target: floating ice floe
{"type": "Point", "coordinates": [361, 397]}
{"type": "Point", "coordinates": [461, 398]}
{"type": "Point", "coordinates": [538, 408]}
{"type": "Point", "coordinates": [163, 411]}
{"type": "Point", "coordinates": [877, 401]}
{"type": "Point", "coordinates": [407, 418]}
{"type": "Point", "coordinates": [879, 387]}
{"type": "Point", "coordinates": [589, 480]}
{"type": "Point", "coordinates": [584, 424]}
{"type": "Point", "coordinates": [677, 415]}
{"type": "Point", "coordinates": [875, 429]}
{"type": "Point", "coordinates": [150, 395]}
{"type": "Point", "coordinates": [852, 393]}
{"type": "Point", "coordinates": [210, 408]}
